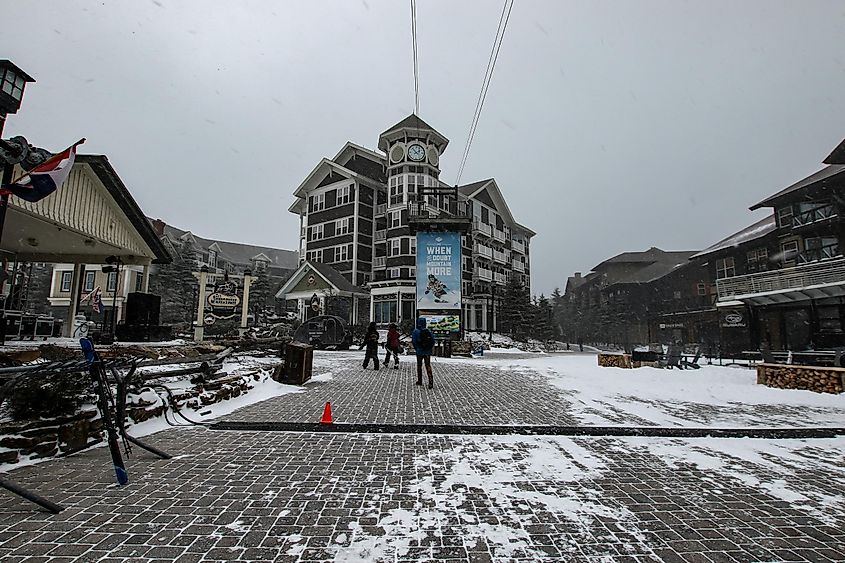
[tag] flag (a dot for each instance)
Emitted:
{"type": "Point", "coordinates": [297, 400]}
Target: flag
{"type": "Point", "coordinates": [45, 178]}
{"type": "Point", "coordinates": [96, 298]}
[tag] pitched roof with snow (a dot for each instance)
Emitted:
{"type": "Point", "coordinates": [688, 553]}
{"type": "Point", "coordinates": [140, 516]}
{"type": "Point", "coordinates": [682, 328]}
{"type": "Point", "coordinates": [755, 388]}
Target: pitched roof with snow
{"type": "Point", "coordinates": [758, 230]}
{"type": "Point", "coordinates": [837, 156]}
{"type": "Point", "coordinates": [665, 263]}
{"type": "Point", "coordinates": [653, 254]}
{"type": "Point", "coordinates": [825, 175]}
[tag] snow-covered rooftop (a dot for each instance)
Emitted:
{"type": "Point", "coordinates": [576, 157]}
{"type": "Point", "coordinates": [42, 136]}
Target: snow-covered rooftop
{"type": "Point", "coordinates": [758, 230]}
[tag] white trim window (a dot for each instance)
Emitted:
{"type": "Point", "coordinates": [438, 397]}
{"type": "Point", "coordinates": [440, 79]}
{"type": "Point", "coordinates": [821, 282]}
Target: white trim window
{"type": "Point", "coordinates": [413, 272]}
{"type": "Point", "coordinates": [317, 202]}
{"type": "Point", "coordinates": [394, 273]}
{"type": "Point", "coordinates": [66, 280]}
{"type": "Point", "coordinates": [315, 232]}
{"type": "Point", "coordinates": [725, 268]}
{"type": "Point", "coordinates": [111, 284]}
{"type": "Point", "coordinates": [89, 281]}
{"type": "Point", "coordinates": [212, 258]}
{"type": "Point", "coordinates": [396, 190]}
{"type": "Point", "coordinates": [342, 253]}
{"type": "Point", "coordinates": [395, 219]}
{"type": "Point", "coordinates": [394, 247]}
{"type": "Point", "coordinates": [344, 195]}
{"type": "Point", "coordinates": [139, 281]}
{"type": "Point", "coordinates": [413, 246]}
{"type": "Point", "coordinates": [315, 255]}
{"type": "Point", "coordinates": [789, 250]}
{"type": "Point", "coordinates": [341, 226]}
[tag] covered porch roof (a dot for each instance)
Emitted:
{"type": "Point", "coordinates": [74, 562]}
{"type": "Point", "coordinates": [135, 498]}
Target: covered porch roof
{"type": "Point", "coordinates": [316, 277]}
{"type": "Point", "coordinates": [90, 217]}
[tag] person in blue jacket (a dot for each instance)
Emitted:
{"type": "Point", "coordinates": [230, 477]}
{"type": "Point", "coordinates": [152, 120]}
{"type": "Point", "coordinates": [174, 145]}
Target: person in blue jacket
{"type": "Point", "coordinates": [423, 341]}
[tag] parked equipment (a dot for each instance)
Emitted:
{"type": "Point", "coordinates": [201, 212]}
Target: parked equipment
{"type": "Point", "coordinates": [325, 332]}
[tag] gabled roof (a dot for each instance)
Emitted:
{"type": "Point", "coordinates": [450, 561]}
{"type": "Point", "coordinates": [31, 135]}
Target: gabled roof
{"type": "Point", "coordinates": [329, 274]}
{"type": "Point", "coordinates": [664, 264]}
{"type": "Point", "coordinates": [351, 148]}
{"type": "Point", "coordinates": [413, 121]}
{"type": "Point", "coordinates": [471, 189]}
{"type": "Point", "coordinates": [837, 156]}
{"type": "Point", "coordinates": [495, 194]}
{"type": "Point", "coordinates": [325, 165]}
{"type": "Point", "coordinates": [758, 230]}
{"type": "Point", "coordinates": [826, 175]}
{"type": "Point", "coordinates": [116, 188]}
{"type": "Point", "coordinates": [651, 255]}
{"type": "Point", "coordinates": [237, 253]}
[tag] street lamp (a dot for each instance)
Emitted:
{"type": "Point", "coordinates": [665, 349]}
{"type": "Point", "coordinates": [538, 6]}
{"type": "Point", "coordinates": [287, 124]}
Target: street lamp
{"type": "Point", "coordinates": [113, 266]}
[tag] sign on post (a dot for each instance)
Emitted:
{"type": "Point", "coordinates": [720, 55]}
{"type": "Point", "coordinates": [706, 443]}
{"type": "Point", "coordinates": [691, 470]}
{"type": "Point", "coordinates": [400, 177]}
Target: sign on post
{"type": "Point", "coordinates": [439, 281]}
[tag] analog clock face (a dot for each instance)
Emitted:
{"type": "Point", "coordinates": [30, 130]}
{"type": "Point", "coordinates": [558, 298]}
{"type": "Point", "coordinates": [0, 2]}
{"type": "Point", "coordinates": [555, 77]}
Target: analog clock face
{"type": "Point", "coordinates": [397, 153]}
{"type": "Point", "coordinates": [416, 152]}
{"type": "Point", "coordinates": [433, 157]}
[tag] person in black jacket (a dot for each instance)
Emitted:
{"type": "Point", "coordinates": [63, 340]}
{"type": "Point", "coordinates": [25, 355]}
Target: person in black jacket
{"type": "Point", "coordinates": [371, 342]}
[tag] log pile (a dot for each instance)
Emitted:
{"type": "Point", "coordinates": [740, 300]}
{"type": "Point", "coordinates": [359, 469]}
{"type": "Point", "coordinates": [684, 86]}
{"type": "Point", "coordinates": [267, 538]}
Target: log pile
{"type": "Point", "coordinates": [810, 378]}
{"type": "Point", "coordinates": [615, 361]}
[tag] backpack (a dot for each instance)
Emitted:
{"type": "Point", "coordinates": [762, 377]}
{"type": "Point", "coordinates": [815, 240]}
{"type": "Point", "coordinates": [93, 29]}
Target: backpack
{"type": "Point", "coordinates": [426, 339]}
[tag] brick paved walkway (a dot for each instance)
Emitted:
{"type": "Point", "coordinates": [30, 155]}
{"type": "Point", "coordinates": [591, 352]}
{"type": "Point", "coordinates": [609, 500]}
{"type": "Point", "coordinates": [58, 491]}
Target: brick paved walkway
{"type": "Point", "coordinates": [464, 393]}
{"type": "Point", "coordinates": [251, 496]}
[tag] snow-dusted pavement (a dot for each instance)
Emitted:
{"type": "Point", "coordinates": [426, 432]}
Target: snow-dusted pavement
{"type": "Point", "coordinates": [284, 496]}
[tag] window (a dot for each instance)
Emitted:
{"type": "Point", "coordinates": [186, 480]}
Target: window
{"type": "Point", "coordinates": [395, 219]}
{"type": "Point", "coordinates": [702, 288]}
{"type": "Point", "coordinates": [341, 226]}
{"type": "Point", "coordinates": [67, 277]}
{"type": "Point", "coordinates": [412, 273]}
{"type": "Point", "coordinates": [344, 195]}
{"type": "Point", "coordinates": [789, 250]}
{"type": "Point", "coordinates": [725, 268]}
{"type": "Point", "coordinates": [676, 294]}
{"type": "Point", "coordinates": [394, 247]}
{"type": "Point", "coordinates": [413, 246]}
{"type": "Point", "coordinates": [139, 281]}
{"type": "Point", "coordinates": [394, 273]}
{"type": "Point", "coordinates": [260, 265]}
{"type": "Point", "coordinates": [397, 191]}
{"type": "Point", "coordinates": [785, 217]}
{"type": "Point", "coordinates": [212, 259]}
{"type": "Point", "coordinates": [111, 284]}
{"type": "Point", "coordinates": [384, 311]}
{"type": "Point", "coordinates": [315, 255]}
{"type": "Point", "coordinates": [317, 202]}
{"type": "Point", "coordinates": [316, 232]}
{"type": "Point", "coordinates": [342, 253]}
{"type": "Point", "coordinates": [89, 281]}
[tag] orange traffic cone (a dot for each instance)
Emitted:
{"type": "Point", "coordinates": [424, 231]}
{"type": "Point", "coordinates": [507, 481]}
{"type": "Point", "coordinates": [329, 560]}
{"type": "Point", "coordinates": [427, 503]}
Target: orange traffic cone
{"type": "Point", "coordinates": [327, 414]}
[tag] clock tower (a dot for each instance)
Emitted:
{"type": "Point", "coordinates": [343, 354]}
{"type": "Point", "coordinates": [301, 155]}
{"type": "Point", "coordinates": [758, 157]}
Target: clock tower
{"type": "Point", "coordinates": [413, 151]}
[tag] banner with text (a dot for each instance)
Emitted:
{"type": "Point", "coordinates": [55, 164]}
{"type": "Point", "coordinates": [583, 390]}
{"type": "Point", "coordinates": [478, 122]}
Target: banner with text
{"type": "Point", "coordinates": [439, 280]}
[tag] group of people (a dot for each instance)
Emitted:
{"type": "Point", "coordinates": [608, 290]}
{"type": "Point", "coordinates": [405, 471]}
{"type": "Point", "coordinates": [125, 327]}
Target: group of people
{"type": "Point", "coordinates": [421, 339]}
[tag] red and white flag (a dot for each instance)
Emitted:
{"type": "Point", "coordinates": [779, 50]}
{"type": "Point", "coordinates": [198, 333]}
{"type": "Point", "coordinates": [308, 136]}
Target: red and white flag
{"type": "Point", "coordinates": [45, 178]}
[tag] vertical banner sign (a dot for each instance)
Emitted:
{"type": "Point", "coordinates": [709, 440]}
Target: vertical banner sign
{"type": "Point", "coordinates": [439, 281]}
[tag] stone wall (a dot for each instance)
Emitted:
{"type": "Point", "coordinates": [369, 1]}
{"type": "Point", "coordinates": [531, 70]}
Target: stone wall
{"type": "Point", "coordinates": [811, 378]}
{"type": "Point", "coordinates": [46, 438]}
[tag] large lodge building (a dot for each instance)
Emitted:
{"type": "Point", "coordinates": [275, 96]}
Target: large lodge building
{"type": "Point", "coordinates": [355, 239]}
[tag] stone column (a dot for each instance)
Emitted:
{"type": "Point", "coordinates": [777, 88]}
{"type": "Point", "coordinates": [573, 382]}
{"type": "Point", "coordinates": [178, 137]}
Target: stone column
{"type": "Point", "coordinates": [145, 280]}
{"type": "Point", "coordinates": [199, 329]}
{"type": "Point", "coordinates": [245, 304]}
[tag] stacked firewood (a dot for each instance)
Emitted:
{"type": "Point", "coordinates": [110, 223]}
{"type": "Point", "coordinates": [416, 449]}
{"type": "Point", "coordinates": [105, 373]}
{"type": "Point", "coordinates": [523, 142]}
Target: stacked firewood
{"type": "Point", "coordinates": [811, 378]}
{"type": "Point", "coordinates": [615, 361]}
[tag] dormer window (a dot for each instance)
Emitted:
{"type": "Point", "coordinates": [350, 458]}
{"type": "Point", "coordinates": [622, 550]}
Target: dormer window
{"type": "Point", "coordinates": [212, 258]}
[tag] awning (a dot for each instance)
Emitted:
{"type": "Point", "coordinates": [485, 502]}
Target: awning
{"type": "Point", "coordinates": [786, 296]}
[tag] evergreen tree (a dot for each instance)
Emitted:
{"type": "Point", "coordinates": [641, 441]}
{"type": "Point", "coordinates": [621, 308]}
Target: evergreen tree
{"type": "Point", "coordinates": [177, 286]}
{"type": "Point", "coordinates": [542, 327]}
{"type": "Point", "coordinates": [259, 294]}
{"type": "Point", "coordinates": [515, 310]}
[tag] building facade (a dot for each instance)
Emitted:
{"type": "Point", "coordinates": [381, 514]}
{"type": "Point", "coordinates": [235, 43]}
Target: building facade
{"type": "Point", "coordinates": [354, 217]}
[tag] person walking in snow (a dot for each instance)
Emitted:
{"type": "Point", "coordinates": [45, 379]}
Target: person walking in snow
{"type": "Point", "coordinates": [371, 342]}
{"type": "Point", "coordinates": [423, 341]}
{"type": "Point", "coordinates": [392, 346]}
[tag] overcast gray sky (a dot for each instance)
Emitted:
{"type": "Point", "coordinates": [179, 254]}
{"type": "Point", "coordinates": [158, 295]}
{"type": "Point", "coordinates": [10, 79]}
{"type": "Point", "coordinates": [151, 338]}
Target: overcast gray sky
{"type": "Point", "coordinates": [609, 126]}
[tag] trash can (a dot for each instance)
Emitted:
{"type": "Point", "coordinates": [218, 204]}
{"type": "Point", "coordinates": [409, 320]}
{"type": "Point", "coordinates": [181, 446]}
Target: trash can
{"type": "Point", "coordinates": [299, 358]}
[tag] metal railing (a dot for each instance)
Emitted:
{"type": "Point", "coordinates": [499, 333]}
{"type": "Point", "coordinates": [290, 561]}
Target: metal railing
{"type": "Point", "coordinates": [483, 251]}
{"type": "Point", "coordinates": [518, 247]}
{"type": "Point", "coordinates": [501, 278]}
{"type": "Point", "coordinates": [380, 236]}
{"type": "Point", "coordinates": [499, 235]}
{"type": "Point", "coordinates": [500, 257]}
{"type": "Point", "coordinates": [813, 215]}
{"type": "Point", "coordinates": [381, 209]}
{"type": "Point", "coordinates": [484, 274]}
{"type": "Point", "coordinates": [482, 228]}
{"type": "Point", "coordinates": [422, 210]}
{"type": "Point", "coordinates": [518, 266]}
{"type": "Point", "coordinates": [817, 273]}
{"type": "Point", "coordinates": [826, 252]}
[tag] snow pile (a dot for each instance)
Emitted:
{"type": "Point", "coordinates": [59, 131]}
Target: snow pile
{"type": "Point", "coordinates": [515, 476]}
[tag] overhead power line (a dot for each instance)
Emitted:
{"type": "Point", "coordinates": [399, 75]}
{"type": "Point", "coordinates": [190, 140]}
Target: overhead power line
{"type": "Point", "coordinates": [485, 84]}
{"type": "Point", "coordinates": [416, 63]}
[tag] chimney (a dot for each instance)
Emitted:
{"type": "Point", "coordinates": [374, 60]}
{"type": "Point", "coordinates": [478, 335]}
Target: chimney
{"type": "Point", "coordinates": [158, 227]}
{"type": "Point", "coordinates": [577, 275]}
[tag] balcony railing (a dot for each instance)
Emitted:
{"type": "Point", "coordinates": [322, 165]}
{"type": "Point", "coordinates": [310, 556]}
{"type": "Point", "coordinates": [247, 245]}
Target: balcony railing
{"type": "Point", "coordinates": [815, 254]}
{"type": "Point", "coordinates": [379, 236]}
{"type": "Point", "coordinates": [817, 273]}
{"type": "Point", "coordinates": [483, 251]}
{"type": "Point", "coordinates": [380, 262]}
{"type": "Point", "coordinates": [421, 210]}
{"type": "Point", "coordinates": [813, 215]}
{"type": "Point", "coordinates": [482, 228]}
{"type": "Point", "coordinates": [484, 274]}
{"type": "Point", "coordinates": [518, 247]}
{"type": "Point", "coordinates": [518, 266]}
{"type": "Point", "coordinates": [500, 257]}
{"type": "Point", "coordinates": [501, 278]}
{"type": "Point", "coordinates": [499, 235]}
{"type": "Point", "coordinates": [381, 209]}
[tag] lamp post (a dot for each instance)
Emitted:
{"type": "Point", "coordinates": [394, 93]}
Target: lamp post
{"type": "Point", "coordinates": [12, 85]}
{"type": "Point", "coordinates": [199, 327]}
{"type": "Point", "coordinates": [113, 266]}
